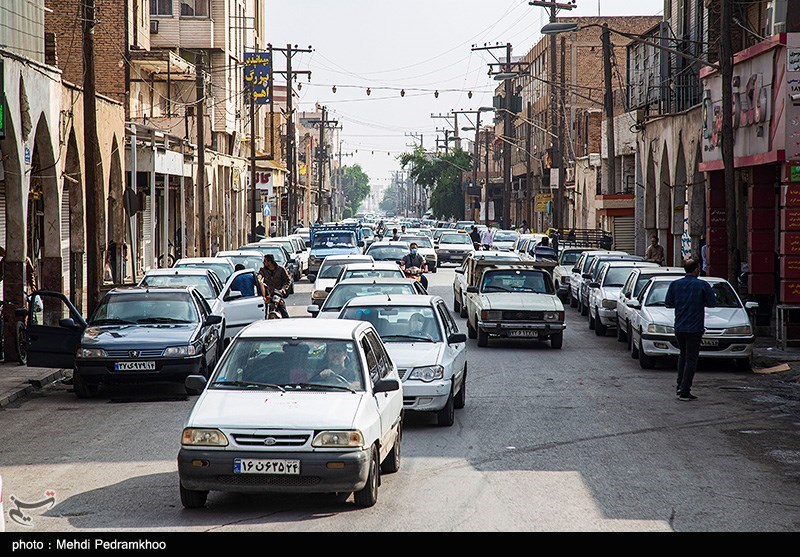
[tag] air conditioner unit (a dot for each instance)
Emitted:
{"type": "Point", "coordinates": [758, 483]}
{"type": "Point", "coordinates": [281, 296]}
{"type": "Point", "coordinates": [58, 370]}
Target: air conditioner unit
{"type": "Point", "coordinates": [776, 18]}
{"type": "Point", "coordinates": [154, 27]}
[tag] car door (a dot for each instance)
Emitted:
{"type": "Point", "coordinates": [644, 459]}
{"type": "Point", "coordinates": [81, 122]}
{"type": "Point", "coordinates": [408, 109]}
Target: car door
{"type": "Point", "coordinates": [210, 334]}
{"type": "Point", "coordinates": [624, 295]}
{"type": "Point", "coordinates": [241, 309]}
{"type": "Point", "coordinates": [54, 328]}
{"type": "Point", "coordinates": [454, 355]}
{"type": "Point", "coordinates": [390, 404]}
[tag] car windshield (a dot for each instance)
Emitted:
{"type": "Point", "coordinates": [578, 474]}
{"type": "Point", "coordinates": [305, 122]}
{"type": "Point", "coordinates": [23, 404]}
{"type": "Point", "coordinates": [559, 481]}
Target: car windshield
{"type": "Point", "coordinates": [276, 251]}
{"type": "Point", "coordinates": [367, 232]}
{"type": "Point", "coordinates": [334, 240]}
{"type": "Point", "coordinates": [387, 253]}
{"type": "Point", "coordinates": [505, 236]}
{"type": "Point", "coordinates": [203, 284]}
{"type": "Point", "coordinates": [421, 241]}
{"type": "Point", "coordinates": [455, 239]}
{"type": "Point", "coordinates": [641, 281]}
{"type": "Point", "coordinates": [145, 307]}
{"type": "Point", "coordinates": [399, 323]}
{"type": "Point", "coordinates": [222, 270]}
{"type": "Point", "coordinates": [249, 262]}
{"type": "Point", "coordinates": [616, 276]}
{"type": "Point", "coordinates": [726, 297]}
{"type": "Point", "coordinates": [290, 364]}
{"type": "Point", "coordinates": [342, 292]}
{"type": "Point", "coordinates": [331, 270]}
{"type": "Point", "coordinates": [570, 257]}
{"type": "Point", "coordinates": [373, 273]}
{"type": "Point", "coordinates": [516, 280]}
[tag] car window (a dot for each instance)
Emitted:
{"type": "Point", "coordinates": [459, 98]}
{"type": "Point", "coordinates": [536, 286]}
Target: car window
{"type": "Point", "coordinates": [372, 273]}
{"type": "Point", "coordinates": [569, 258]}
{"type": "Point", "coordinates": [726, 297]}
{"type": "Point", "coordinates": [421, 241]}
{"type": "Point", "coordinates": [146, 307]}
{"type": "Point", "coordinates": [449, 325]}
{"type": "Point", "coordinates": [455, 239]}
{"type": "Point", "coordinates": [616, 276]}
{"type": "Point", "coordinates": [384, 366]}
{"type": "Point", "coordinates": [202, 283]}
{"type": "Point", "coordinates": [222, 270]}
{"type": "Point", "coordinates": [344, 292]}
{"type": "Point", "coordinates": [387, 253]}
{"type": "Point", "coordinates": [205, 309]}
{"type": "Point", "coordinates": [657, 294]}
{"type": "Point", "coordinates": [516, 280]}
{"type": "Point", "coordinates": [334, 239]}
{"type": "Point", "coordinates": [628, 286]}
{"type": "Point", "coordinates": [587, 262]}
{"type": "Point", "coordinates": [372, 359]}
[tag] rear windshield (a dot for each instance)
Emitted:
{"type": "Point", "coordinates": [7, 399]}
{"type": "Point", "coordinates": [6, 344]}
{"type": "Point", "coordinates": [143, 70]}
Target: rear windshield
{"type": "Point", "coordinates": [421, 241]}
{"type": "Point", "coordinates": [202, 283]}
{"type": "Point", "coordinates": [222, 270]}
{"type": "Point", "coordinates": [505, 236]}
{"type": "Point", "coordinates": [570, 257]}
{"type": "Point", "coordinates": [334, 240]}
{"type": "Point", "coordinates": [341, 293]}
{"type": "Point", "coordinates": [455, 239]}
{"type": "Point", "coordinates": [616, 276]}
{"type": "Point", "coordinates": [399, 323]}
{"type": "Point", "coordinates": [387, 253]}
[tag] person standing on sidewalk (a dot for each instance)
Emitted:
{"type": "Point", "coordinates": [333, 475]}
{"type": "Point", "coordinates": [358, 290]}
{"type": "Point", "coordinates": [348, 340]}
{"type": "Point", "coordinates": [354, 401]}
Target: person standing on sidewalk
{"type": "Point", "coordinates": [655, 252]}
{"type": "Point", "coordinates": [690, 297]}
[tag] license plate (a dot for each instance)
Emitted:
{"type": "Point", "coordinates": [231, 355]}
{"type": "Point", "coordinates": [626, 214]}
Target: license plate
{"type": "Point", "coordinates": [709, 342]}
{"type": "Point", "coordinates": [523, 333]}
{"type": "Point", "coordinates": [263, 466]}
{"type": "Point", "coordinates": [134, 366]}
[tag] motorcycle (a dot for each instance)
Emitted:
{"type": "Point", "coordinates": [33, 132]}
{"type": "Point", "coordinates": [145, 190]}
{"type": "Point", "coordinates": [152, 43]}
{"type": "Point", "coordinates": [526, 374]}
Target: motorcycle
{"type": "Point", "coordinates": [413, 273]}
{"type": "Point", "coordinates": [273, 305]}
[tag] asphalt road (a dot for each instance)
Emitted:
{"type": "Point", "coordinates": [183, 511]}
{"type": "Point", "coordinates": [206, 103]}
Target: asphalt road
{"type": "Point", "coordinates": [577, 439]}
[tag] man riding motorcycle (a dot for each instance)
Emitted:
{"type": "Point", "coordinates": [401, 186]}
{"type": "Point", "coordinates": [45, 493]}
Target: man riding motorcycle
{"type": "Point", "coordinates": [414, 265]}
{"type": "Point", "coordinates": [276, 281]}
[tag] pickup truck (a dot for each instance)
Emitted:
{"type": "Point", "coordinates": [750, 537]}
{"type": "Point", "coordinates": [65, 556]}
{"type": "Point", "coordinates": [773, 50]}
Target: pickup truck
{"type": "Point", "coordinates": [333, 239]}
{"type": "Point", "coordinates": [513, 300]}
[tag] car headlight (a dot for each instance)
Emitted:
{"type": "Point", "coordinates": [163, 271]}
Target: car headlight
{"type": "Point", "coordinates": [91, 353]}
{"type": "Point", "coordinates": [660, 329]}
{"type": "Point", "coordinates": [333, 439]}
{"type": "Point", "coordinates": [491, 315]}
{"type": "Point", "coordinates": [554, 316]}
{"type": "Point", "coordinates": [743, 330]}
{"type": "Point", "coordinates": [319, 294]}
{"type": "Point", "coordinates": [200, 437]}
{"type": "Point", "coordinates": [185, 350]}
{"type": "Point", "coordinates": [427, 373]}
{"type": "Point", "coordinates": [610, 304]}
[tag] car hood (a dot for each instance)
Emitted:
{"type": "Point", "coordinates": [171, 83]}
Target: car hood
{"type": "Point", "coordinates": [224, 408]}
{"type": "Point", "coordinates": [715, 318]}
{"type": "Point", "coordinates": [414, 354]}
{"type": "Point", "coordinates": [517, 301]}
{"type": "Point", "coordinates": [321, 253]}
{"type": "Point", "coordinates": [138, 336]}
{"type": "Point", "coordinates": [323, 283]}
{"type": "Point", "coordinates": [610, 292]}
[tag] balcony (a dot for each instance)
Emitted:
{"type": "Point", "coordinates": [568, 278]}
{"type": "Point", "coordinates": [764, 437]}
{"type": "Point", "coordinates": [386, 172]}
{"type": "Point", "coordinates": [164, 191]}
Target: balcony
{"type": "Point", "coordinates": [186, 32]}
{"type": "Point", "coordinates": [615, 201]}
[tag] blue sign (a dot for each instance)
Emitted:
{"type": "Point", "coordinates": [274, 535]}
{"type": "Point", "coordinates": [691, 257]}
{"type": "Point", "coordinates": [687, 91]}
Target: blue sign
{"type": "Point", "coordinates": [258, 75]}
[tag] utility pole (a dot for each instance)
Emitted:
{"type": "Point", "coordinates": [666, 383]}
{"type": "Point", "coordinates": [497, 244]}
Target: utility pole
{"type": "Point", "coordinates": [200, 93]}
{"type": "Point", "coordinates": [726, 71]}
{"type": "Point", "coordinates": [416, 136]}
{"type": "Point", "coordinates": [253, 200]}
{"type": "Point", "coordinates": [94, 187]}
{"type": "Point", "coordinates": [608, 102]}
{"type": "Point", "coordinates": [322, 155]}
{"type": "Point", "coordinates": [562, 138]}
{"type": "Point", "coordinates": [486, 184]}
{"type": "Point", "coordinates": [340, 173]}
{"type": "Point", "coordinates": [508, 131]}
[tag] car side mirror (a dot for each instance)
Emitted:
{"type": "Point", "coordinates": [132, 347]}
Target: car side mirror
{"type": "Point", "coordinates": [587, 276]}
{"type": "Point", "coordinates": [213, 320]}
{"type": "Point", "coordinates": [68, 323]}
{"type": "Point", "coordinates": [313, 309]}
{"type": "Point", "coordinates": [456, 338]}
{"type": "Point", "coordinates": [386, 385]}
{"type": "Point", "coordinates": [233, 295]}
{"type": "Point", "coordinates": [751, 305]}
{"type": "Point", "coordinates": [594, 285]}
{"type": "Point", "coordinates": [633, 303]}
{"type": "Point", "coordinates": [472, 289]}
{"type": "Point", "coordinates": [328, 288]}
{"type": "Point", "coordinates": [195, 383]}
{"type": "Point", "coordinates": [460, 271]}
{"type": "Point", "coordinates": [576, 270]}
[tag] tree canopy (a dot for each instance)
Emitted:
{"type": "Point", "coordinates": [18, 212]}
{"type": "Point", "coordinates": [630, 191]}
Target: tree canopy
{"type": "Point", "coordinates": [441, 174]}
{"type": "Point", "coordinates": [355, 187]}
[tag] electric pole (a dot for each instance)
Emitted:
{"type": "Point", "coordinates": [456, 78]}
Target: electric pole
{"type": "Point", "coordinates": [416, 136]}
{"type": "Point", "coordinates": [322, 156]}
{"type": "Point", "coordinates": [200, 93]}
{"type": "Point", "coordinates": [608, 101]}
{"type": "Point", "coordinates": [726, 72]}
{"type": "Point", "coordinates": [340, 174]}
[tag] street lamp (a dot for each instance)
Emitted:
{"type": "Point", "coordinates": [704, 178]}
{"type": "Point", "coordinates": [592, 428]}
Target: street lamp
{"type": "Point", "coordinates": [502, 76]}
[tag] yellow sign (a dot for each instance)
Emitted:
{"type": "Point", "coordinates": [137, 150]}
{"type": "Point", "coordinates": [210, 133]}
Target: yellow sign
{"type": "Point", "coordinates": [542, 199]}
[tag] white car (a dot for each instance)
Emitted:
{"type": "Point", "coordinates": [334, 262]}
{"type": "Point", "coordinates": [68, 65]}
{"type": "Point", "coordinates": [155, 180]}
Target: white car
{"type": "Point", "coordinates": [582, 266]}
{"type": "Point", "coordinates": [221, 266]}
{"type": "Point", "coordinates": [432, 361]}
{"type": "Point", "coordinates": [376, 269]}
{"type": "Point", "coordinates": [728, 330]}
{"type": "Point", "coordinates": [604, 293]}
{"type": "Point", "coordinates": [249, 259]}
{"type": "Point", "coordinates": [295, 405]}
{"type": "Point", "coordinates": [454, 247]}
{"type": "Point", "coordinates": [2, 511]}
{"type": "Point", "coordinates": [567, 258]}
{"type": "Point", "coordinates": [346, 290]}
{"type": "Point", "coordinates": [236, 307]}
{"type": "Point", "coordinates": [461, 280]}
{"type": "Point", "coordinates": [329, 273]}
{"type": "Point", "coordinates": [292, 247]}
{"type": "Point", "coordinates": [424, 248]}
{"type": "Point", "coordinates": [590, 275]}
{"type": "Point", "coordinates": [631, 289]}
{"type": "Point", "coordinates": [504, 240]}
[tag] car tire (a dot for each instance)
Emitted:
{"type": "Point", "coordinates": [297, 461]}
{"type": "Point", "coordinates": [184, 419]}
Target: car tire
{"type": "Point", "coordinates": [557, 340]}
{"type": "Point", "coordinates": [471, 333]}
{"type": "Point", "coordinates": [463, 312]}
{"type": "Point", "coordinates": [81, 388]}
{"type": "Point", "coordinates": [592, 322]}
{"type": "Point", "coordinates": [368, 495]}
{"type": "Point", "coordinates": [483, 338]}
{"type": "Point", "coordinates": [634, 349]}
{"type": "Point", "coordinates": [743, 364]}
{"type": "Point", "coordinates": [312, 278]}
{"type": "Point", "coordinates": [622, 336]}
{"type": "Point", "coordinates": [434, 269]}
{"type": "Point", "coordinates": [461, 397]}
{"type": "Point", "coordinates": [584, 308]}
{"type": "Point", "coordinates": [599, 329]}
{"type": "Point", "coordinates": [391, 463]}
{"type": "Point", "coordinates": [456, 304]}
{"type": "Point", "coordinates": [192, 499]}
{"type": "Point", "coordinates": [645, 361]}
{"type": "Point", "coordinates": [447, 415]}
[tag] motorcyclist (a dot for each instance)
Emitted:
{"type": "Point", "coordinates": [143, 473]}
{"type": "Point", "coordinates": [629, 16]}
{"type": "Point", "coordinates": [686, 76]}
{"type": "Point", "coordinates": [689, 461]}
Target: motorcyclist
{"type": "Point", "coordinates": [414, 259]}
{"type": "Point", "coordinates": [276, 281]}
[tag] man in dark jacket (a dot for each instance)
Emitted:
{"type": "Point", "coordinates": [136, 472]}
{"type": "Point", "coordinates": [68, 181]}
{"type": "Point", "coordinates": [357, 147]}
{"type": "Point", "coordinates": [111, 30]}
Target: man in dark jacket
{"type": "Point", "coordinates": [276, 281]}
{"type": "Point", "coordinates": [475, 236]}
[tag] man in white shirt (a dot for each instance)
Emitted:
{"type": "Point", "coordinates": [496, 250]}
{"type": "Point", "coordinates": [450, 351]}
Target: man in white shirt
{"type": "Point", "coordinates": [487, 238]}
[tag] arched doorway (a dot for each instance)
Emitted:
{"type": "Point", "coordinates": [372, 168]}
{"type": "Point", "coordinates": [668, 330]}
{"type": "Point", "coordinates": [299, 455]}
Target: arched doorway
{"type": "Point", "coordinates": [664, 209]}
{"type": "Point", "coordinates": [697, 204]}
{"type": "Point", "coordinates": [43, 226]}
{"type": "Point", "coordinates": [650, 196]}
{"type": "Point", "coordinates": [680, 218]}
{"type": "Point", "coordinates": [73, 241]}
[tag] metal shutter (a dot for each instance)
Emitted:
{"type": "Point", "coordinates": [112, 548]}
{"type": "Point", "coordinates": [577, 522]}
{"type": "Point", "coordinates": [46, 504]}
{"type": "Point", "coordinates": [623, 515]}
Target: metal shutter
{"type": "Point", "coordinates": [147, 243]}
{"type": "Point", "coordinates": [65, 238]}
{"type": "Point", "coordinates": [624, 234]}
{"type": "Point", "coordinates": [3, 240]}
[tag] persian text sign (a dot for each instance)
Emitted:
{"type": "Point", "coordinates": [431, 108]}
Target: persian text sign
{"type": "Point", "coordinates": [258, 75]}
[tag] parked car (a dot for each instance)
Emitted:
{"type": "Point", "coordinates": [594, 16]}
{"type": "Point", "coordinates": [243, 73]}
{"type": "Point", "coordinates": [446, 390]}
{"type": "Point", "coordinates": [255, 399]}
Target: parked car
{"type": "Point", "coordinates": [135, 335]}
{"type": "Point", "coordinates": [424, 248]}
{"type": "Point", "coordinates": [631, 289]}
{"type": "Point", "coordinates": [567, 258]}
{"type": "Point", "coordinates": [604, 293]}
{"type": "Point", "coordinates": [388, 251]}
{"type": "Point", "coordinates": [728, 334]}
{"type": "Point", "coordinates": [461, 280]}
{"type": "Point", "coordinates": [315, 432]}
{"type": "Point", "coordinates": [376, 269]}
{"type": "Point", "coordinates": [454, 247]}
{"type": "Point", "coordinates": [353, 288]}
{"type": "Point", "coordinates": [222, 267]}
{"type": "Point", "coordinates": [591, 276]}
{"type": "Point", "coordinates": [581, 267]}
{"type": "Point", "coordinates": [504, 240]}
{"type": "Point", "coordinates": [279, 253]}
{"type": "Point", "coordinates": [431, 359]}
{"type": "Point", "coordinates": [247, 258]}
{"type": "Point", "coordinates": [329, 272]}
{"type": "Point", "coordinates": [296, 254]}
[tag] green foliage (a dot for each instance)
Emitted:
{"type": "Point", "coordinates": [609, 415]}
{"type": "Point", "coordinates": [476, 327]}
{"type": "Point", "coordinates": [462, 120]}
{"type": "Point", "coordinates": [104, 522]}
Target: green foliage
{"type": "Point", "coordinates": [355, 187]}
{"type": "Point", "coordinates": [441, 174]}
{"type": "Point", "coordinates": [389, 203]}
{"type": "Point", "coordinates": [347, 212]}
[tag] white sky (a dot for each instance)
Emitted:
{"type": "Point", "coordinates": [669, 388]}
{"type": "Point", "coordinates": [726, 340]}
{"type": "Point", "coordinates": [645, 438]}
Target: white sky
{"type": "Point", "coordinates": [410, 44]}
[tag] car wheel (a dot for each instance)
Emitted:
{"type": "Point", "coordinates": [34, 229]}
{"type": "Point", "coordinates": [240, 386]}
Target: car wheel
{"type": "Point", "coordinates": [391, 463]}
{"type": "Point", "coordinates": [557, 340]}
{"type": "Point", "coordinates": [447, 415]}
{"type": "Point", "coordinates": [434, 269]}
{"type": "Point", "coordinates": [599, 329]}
{"type": "Point", "coordinates": [583, 308]}
{"type": "Point", "coordinates": [461, 396]}
{"type": "Point", "coordinates": [592, 323]}
{"type": "Point", "coordinates": [568, 296]}
{"type": "Point", "coordinates": [191, 499]}
{"type": "Point", "coordinates": [744, 364]}
{"type": "Point", "coordinates": [463, 312]}
{"type": "Point", "coordinates": [634, 348]}
{"type": "Point", "coordinates": [471, 333]}
{"type": "Point", "coordinates": [483, 338]}
{"type": "Point", "coordinates": [621, 334]}
{"type": "Point", "coordinates": [368, 495]}
{"type": "Point", "coordinates": [645, 361]}
{"type": "Point", "coordinates": [629, 335]}
{"type": "Point", "coordinates": [81, 388]}
{"type": "Point", "coordinates": [456, 304]}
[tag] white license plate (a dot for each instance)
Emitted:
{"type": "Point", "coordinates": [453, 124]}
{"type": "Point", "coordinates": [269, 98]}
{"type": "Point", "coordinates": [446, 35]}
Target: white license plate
{"type": "Point", "coordinates": [134, 366]}
{"type": "Point", "coordinates": [264, 466]}
{"type": "Point", "coordinates": [709, 342]}
{"type": "Point", "coordinates": [523, 333]}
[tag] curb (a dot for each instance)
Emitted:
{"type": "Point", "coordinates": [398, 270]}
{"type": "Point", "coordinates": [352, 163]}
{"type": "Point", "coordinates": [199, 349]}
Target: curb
{"type": "Point", "coordinates": [30, 386]}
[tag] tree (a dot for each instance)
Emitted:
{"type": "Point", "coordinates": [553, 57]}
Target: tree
{"type": "Point", "coordinates": [442, 175]}
{"type": "Point", "coordinates": [389, 203]}
{"type": "Point", "coordinates": [355, 187]}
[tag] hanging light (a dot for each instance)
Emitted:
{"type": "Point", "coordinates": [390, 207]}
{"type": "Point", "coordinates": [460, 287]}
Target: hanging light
{"type": "Point", "coordinates": [436, 94]}
{"type": "Point", "coordinates": [333, 88]}
{"type": "Point", "coordinates": [402, 92]}
{"type": "Point", "coordinates": [369, 91]}
{"type": "Point", "coordinates": [469, 95]}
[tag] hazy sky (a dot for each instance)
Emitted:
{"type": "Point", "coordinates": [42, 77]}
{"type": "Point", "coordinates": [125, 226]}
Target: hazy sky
{"type": "Point", "coordinates": [417, 45]}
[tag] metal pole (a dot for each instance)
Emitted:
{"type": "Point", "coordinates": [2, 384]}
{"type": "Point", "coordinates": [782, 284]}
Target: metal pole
{"type": "Point", "coordinates": [729, 171]}
{"type": "Point", "coordinates": [201, 156]}
{"type": "Point", "coordinates": [320, 165]}
{"type": "Point", "coordinates": [290, 154]}
{"type": "Point", "coordinates": [608, 102]}
{"type": "Point", "coordinates": [507, 132]}
{"type": "Point", "coordinates": [486, 184]}
{"type": "Point", "coordinates": [253, 196]}
{"type": "Point", "coordinates": [554, 120]}
{"type": "Point", "coordinates": [131, 218]}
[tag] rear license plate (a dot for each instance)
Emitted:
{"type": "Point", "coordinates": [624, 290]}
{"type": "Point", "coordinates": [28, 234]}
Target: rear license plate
{"type": "Point", "coordinates": [523, 333]}
{"type": "Point", "coordinates": [709, 342]}
{"type": "Point", "coordinates": [134, 366]}
{"type": "Point", "coordinates": [263, 466]}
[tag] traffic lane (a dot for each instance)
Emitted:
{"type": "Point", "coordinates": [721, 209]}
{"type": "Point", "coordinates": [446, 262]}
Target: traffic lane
{"type": "Point", "coordinates": [596, 411]}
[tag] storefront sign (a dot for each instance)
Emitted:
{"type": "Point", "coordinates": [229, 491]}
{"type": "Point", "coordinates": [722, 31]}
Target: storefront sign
{"type": "Point", "coordinates": [542, 200]}
{"type": "Point", "coordinates": [258, 75]}
{"type": "Point", "coordinates": [790, 219]}
{"type": "Point", "coordinates": [790, 243]}
{"type": "Point", "coordinates": [790, 195]}
{"type": "Point", "coordinates": [790, 267]}
{"type": "Point", "coordinates": [793, 64]}
{"type": "Point", "coordinates": [794, 173]}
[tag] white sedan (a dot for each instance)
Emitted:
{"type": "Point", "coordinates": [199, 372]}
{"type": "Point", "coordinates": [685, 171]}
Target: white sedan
{"type": "Point", "coordinates": [353, 288]}
{"type": "Point", "coordinates": [460, 282]}
{"type": "Point", "coordinates": [604, 293]}
{"type": "Point", "coordinates": [423, 340]}
{"type": "Point", "coordinates": [728, 334]}
{"type": "Point", "coordinates": [329, 272]}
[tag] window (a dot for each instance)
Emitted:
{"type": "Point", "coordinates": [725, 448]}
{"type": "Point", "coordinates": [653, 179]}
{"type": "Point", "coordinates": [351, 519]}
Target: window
{"type": "Point", "coordinates": [384, 365]}
{"type": "Point", "coordinates": [449, 324]}
{"type": "Point", "coordinates": [372, 359]}
{"type": "Point", "coordinates": [160, 7]}
{"type": "Point", "coordinates": [194, 8]}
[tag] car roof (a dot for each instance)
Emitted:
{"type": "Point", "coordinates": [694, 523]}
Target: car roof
{"type": "Point", "coordinates": [304, 327]}
{"type": "Point", "coordinates": [661, 270]}
{"type": "Point", "coordinates": [390, 243]}
{"type": "Point", "coordinates": [202, 260]}
{"type": "Point", "coordinates": [377, 265]}
{"type": "Point", "coordinates": [630, 263]}
{"type": "Point", "coordinates": [394, 300]}
{"type": "Point", "coordinates": [184, 271]}
{"type": "Point", "coordinates": [141, 289]}
{"type": "Point", "coordinates": [240, 253]}
{"type": "Point", "coordinates": [495, 253]}
{"type": "Point", "coordinates": [376, 280]}
{"type": "Point", "coordinates": [360, 257]}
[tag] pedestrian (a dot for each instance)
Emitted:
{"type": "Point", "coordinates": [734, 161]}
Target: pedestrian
{"type": "Point", "coordinates": [272, 229]}
{"type": "Point", "coordinates": [475, 236]}
{"type": "Point", "coordinates": [403, 229]}
{"type": "Point", "coordinates": [395, 235]}
{"type": "Point", "coordinates": [703, 257]}
{"type": "Point", "coordinates": [276, 281]}
{"type": "Point", "coordinates": [655, 252]}
{"type": "Point", "coordinates": [487, 238]}
{"type": "Point", "coordinates": [500, 223]}
{"type": "Point", "coordinates": [245, 283]}
{"type": "Point", "coordinates": [689, 297]}
{"type": "Point", "coordinates": [110, 268]}
{"type": "Point", "coordinates": [525, 229]}
{"type": "Point", "coordinates": [260, 230]}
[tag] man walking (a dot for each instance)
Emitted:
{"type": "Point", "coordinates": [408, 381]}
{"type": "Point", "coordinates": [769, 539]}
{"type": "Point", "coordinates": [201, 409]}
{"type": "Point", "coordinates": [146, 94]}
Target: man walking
{"type": "Point", "coordinates": [689, 296]}
{"type": "Point", "coordinates": [487, 238]}
{"type": "Point", "coordinates": [475, 236]}
{"type": "Point", "coordinates": [655, 252]}
{"type": "Point", "coordinates": [276, 281]}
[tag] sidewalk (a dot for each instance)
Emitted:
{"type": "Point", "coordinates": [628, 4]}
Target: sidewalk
{"type": "Point", "coordinates": [17, 381]}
